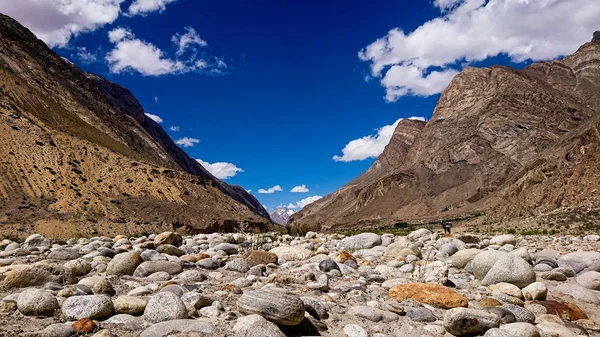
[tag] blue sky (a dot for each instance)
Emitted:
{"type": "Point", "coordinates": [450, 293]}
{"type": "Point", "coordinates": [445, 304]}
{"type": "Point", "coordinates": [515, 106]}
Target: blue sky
{"type": "Point", "coordinates": [278, 88]}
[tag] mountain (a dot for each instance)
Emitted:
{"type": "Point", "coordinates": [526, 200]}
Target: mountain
{"type": "Point", "coordinates": [281, 215]}
{"type": "Point", "coordinates": [505, 142]}
{"type": "Point", "coordinates": [79, 155]}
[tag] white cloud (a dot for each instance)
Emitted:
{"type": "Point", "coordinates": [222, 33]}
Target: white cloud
{"type": "Point", "coordinates": [304, 202]}
{"type": "Point", "coordinates": [174, 128]}
{"type": "Point", "coordinates": [85, 56]}
{"type": "Point", "coordinates": [57, 21]}
{"type": "Point", "coordinates": [299, 189]}
{"type": "Point", "coordinates": [370, 146]}
{"type": "Point", "coordinates": [155, 118]}
{"type": "Point", "coordinates": [249, 191]}
{"type": "Point", "coordinates": [156, 100]}
{"type": "Point", "coordinates": [131, 54]}
{"type": "Point", "coordinates": [271, 190]}
{"type": "Point", "coordinates": [143, 7]}
{"type": "Point", "coordinates": [423, 62]}
{"type": "Point", "coordinates": [221, 170]}
{"type": "Point", "coordinates": [187, 40]}
{"type": "Point", "coordinates": [187, 141]}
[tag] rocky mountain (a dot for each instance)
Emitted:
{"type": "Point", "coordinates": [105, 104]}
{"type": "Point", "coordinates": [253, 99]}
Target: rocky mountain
{"type": "Point", "coordinates": [281, 215]}
{"type": "Point", "coordinates": [508, 143]}
{"type": "Point", "coordinates": [80, 156]}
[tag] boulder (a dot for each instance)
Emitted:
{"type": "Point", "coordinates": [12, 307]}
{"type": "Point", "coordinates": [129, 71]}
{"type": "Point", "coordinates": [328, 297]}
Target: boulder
{"type": "Point", "coordinates": [164, 306]}
{"type": "Point", "coordinates": [484, 261]}
{"type": "Point", "coordinates": [168, 238]}
{"type": "Point", "coordinates": [150, 267]}
{"type": "Point", "coordinates": [291, 253]}
{"type": "Point", "coordinates": [463, 321]}
{"type": "Point", "coordinates": [124, 264]}
{"type": "Point", "coordinates": [589, 279]}
{"type": "Point", "coordinates": [256, 326]}
{"type": "Point", "coordinates": [200, 326]}
{"type": "Point", "coordinates": [256, 257]}
{"type": "Point", "coordinates": [276, 305]}
{"type": "Point", "coordinates": [433, 294]}
{"type": "Point", "coordinates": [35, 302]}
{"type": "Point", "coordinates": [510, 269]}
{"type": "Point", "coordinates": [88, 306]}
{"type": "Point", "coordinates": [361, 241]}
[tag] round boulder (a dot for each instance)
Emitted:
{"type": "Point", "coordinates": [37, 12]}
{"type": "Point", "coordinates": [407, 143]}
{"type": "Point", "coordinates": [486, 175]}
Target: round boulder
{"type": "Point", "coordinates": [278, 306]}
{"type": "Point", "coordinates": [35, 302]}
{"type": "Point", "coordinates": [164, 306]}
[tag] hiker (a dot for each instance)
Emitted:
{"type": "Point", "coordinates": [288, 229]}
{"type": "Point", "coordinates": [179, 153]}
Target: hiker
{"type": "Point", "coordinates": [443, 224]}
{"type": "Point", "coordinates": [449, 227]}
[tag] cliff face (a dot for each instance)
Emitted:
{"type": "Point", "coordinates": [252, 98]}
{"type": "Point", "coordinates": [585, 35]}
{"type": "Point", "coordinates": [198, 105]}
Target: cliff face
{"type": "Point", "coordinates": [492, 128]}
{"type": "Point", "coordinates": [78, 152]}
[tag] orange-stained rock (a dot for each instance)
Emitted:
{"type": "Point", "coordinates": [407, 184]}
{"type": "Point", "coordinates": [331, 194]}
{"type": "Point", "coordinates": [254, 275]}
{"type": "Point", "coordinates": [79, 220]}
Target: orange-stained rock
{"type": "Point", "coordinates": [84, 325]}
{"type": "Point", "coordinates": [167, 283]}
{"type": "Point", "coordinates": [168, 238]}
{"type": "Point", "coordinates": [564, 310]}
{"type": "Point", "coordinates": [189, 258]}
{"type": "Point", "coordinates": [256, 257]}
{"type": "Point", "coordinates": [345, 256]}
{"type": "Point", "coordinates": [489, 302]}
{"type": "Point", "coordinates": [429, 293]}
{"type": "Point", "coordinates": [232, 289]}
{"type": "Point", "coordinates": [203, 256]}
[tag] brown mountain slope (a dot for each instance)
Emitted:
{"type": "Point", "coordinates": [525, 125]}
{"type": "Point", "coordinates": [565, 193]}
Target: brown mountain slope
{"type": "Point", "coordinates": [491, 129]}
{"type": "Point", "coordinates": [79, 158]}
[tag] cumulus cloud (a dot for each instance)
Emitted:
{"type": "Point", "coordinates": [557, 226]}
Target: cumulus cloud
{"type": "Point", "coordinates": [131, 54]}
{"type": "Point", "coordinates": [271, 190]}
{"type": "Point", "coordinates": [301, 203]}
{"type": "Point", "coordinates": [174, 128]}
{"type": "Point", "coordinates": [370, 146]}
{"type": "Point", "coordinates": [155, 118]}
{"type": "Point", "coordinates": [424, 61]}
{"type": "Point", "coordinates": [85, 56]}
{"type": "Point", "coordinates": [221, 170]}
{"type": "Point", "coordinates": [57, 21]}
{"type": "Point", "coordinates": [187, 141]}
{"type": "Point", "coordinates": [299, 189]}
{"type": "Point", "coordinates": [144, 7]}
{"type": "Point", "coordinates": [186, 41]}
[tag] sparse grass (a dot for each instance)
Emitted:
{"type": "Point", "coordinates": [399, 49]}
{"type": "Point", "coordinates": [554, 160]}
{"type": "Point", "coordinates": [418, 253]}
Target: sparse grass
{"type": "Point", "coordinates": [297, 229]}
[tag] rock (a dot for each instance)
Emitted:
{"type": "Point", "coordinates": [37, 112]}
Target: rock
{"type": "Point", "coordinates": [124, 264]}
{"type": "Point", "coordinates": [489, 302]}
{"type": "Point", "coordinates": [448, 248]}
{"type": "Point", "coordinates": [535, 291]}
{"type": "Point", "coordinates": [192, 275]}
{"type": "Point", "coordinates": [484, 261]}
{"type": "Point", "coordinates": [256, 326]}
{"type": "Point", "coordinates": [420, 314]}
{"type": "Point", "coordinates": [462, 257]}
{"type": "Point", "coordinates": [78, 267]}
{"type": "Point", "coordinates": [29, 277]}
{"type": "Point", "coordinates": [103, 287]}
{"type": "Point", "coordinates": [354, 330]}
{"type": "Point", "coordinates": [315, 308]}
{"type": "Point", "coordinates": [256, 257]}
{"type": "Point", "coordinates": [579, 261]}
{"type": "Point", "coordinates": [63, 254]}
{"type": "Point", "coordinates": [129, 305]}
{"type": "Point", "coordinates": [521, 314]}
{"type": "Point", "coordinates": [564, 310]}
{"type": "Point", "coordinates": [164, 306]}
{"type": "Point", "coordinates": [521, 329]}
{"type": "Point", "coordinates": [463, 321]}
{"type": "Point", "coordinates": [401, 249]}
{"type": "Point", "coordinates": [167, 328]}
{"type": "Point", "coordinates": [328, 265]}
{"type": "Point", "coordinates": [239, 265]}
{"type": "Point", "coordinates": [510, 269]}
{"type": "Point", "coordinates": [496, 332]}
{"type": "Point", "coordinates": [168, 238]}
{"type": "Point", "coordinates": [169, 250]}
{"type": "Point", "coordinates": [553, 276]}
{"type": "Point", "coordinates": [227, 248]}
{"type": "Point", "coordinates": [432, 294]}
{"type": "Point", "coordinates": [88, 306]}
{"type": "Point", "coordinates": [578, 292]}
{"type": "Point", "coordinates": [278, 306]}
{"type": "Point", "coordinates": [366, 312]}
{"type": "Point", "coordinates": [361, 241]}
{"type": "Point", "coordinates": [291, 253]}
{"type": "Point", "coordinates": [84, 325]}
{"type": "Point", "coordinates": [501, 240]}
{"type": "Point", "coordinates": [506, 288]}
{"type": "Point", "coordinates": [35, 302]}
{"type": "Point", "coordinates": [208, 264]}
{"type": "Point", "coordinates": [589, 279]}
{"type": "Point", "coordinates": [56, 330]}
{"type": "Point", "coordinates": [196, 300]}
{"type": "Point", "coordinates": [150, 267]}
{"type": "Point", "coordinates": [36, 241]}
{"type": "Point", "coordinates": [420, 234]}
{"type": "Point", "coordinates": [505, 315]}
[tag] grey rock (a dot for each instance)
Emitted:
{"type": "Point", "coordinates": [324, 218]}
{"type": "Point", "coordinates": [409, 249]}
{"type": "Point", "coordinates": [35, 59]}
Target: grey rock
{"type": "Point", "coordinates": [589, 279]}
{"type": "Point", "coordinates": [87, 306]}
{"type": "Point", "coordinates": [496, 332]}
{"type": "Point", "coordinates": [553, 276]}
{"type": "Point", "coordinates": [355, 330]}
{"type": "Point", "coordinates": [164, 306]}
{"type": "Point", "coordinates": [63, 254]}
{"type": "Point", "coordinates": [276, 305]}
{"type": "Point", "coordinates": [484, 261]}
{"type": "Point", "coordinates": [521, 329]}
{"type": "Point", "coordinates": [163, 329]}
{"type": "Point", "coordinates": [207, 264]}
{"type": "Point", "coordinates": [505, 315]}
{"type": "Point", "coordinates": [196, 300]}
{"type": "Point", "coordinates": [328, 265]}
{"type": "Point", "coordinates": [256, 326]}
{"type": "Point", "coordinates": [192, 275]}
{"type": "Point", "coordinates": [578, 292]}
{"type": "Point", "coordinates": [170, 250]}
{"type": "Point", "coordinates": [124, 264]}
{"type": "Point", "coordinates": [239, 265]}
{"type": "Point", "coordinates": [366, 312]}
{"type": "Point", "coordinates": [463, 321]}
{"type": "Point", "coordinates": [449, 248]}
{"type": "Point", "coordinates": [174, 289]}
{"type": "Point", "coordinates": [504, 239]}
{"type": "Point", "coordinates": [150, 267]}
{"type": "Point", "coordinates": [579, 261]}
{"type": "Point", "coordinates": [56, 330]}
{"type": "Point", "coordinates": [535, 291]}
{"type": "Point", "coordinates": [35, 302]}
{"type": "Point", "coordinates": [462, 257]}
{"type": "Point", "coordinates": [521, 314]}
{"type": "Point", "coordinates": [315, 308]}
{"type": "Point", "coordinates": [227, 248]}
{"type": "Point", "coordinates": [510, 269]}
{"type": "Point", "coordinates": [36, 241]}
{"type": "Point", "coordinates": [361, 241]}
{"type": "Point", "coordinates": [78, 267]}
{"type": "Point", "coordinates": [420, 314]}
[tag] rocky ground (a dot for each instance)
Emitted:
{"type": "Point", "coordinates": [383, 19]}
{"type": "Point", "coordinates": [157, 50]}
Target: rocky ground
{"type": "Point", "coordinates": [423, 284]}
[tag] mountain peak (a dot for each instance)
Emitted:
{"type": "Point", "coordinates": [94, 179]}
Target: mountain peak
{"type": "Point", "coordinates": [596, 37]}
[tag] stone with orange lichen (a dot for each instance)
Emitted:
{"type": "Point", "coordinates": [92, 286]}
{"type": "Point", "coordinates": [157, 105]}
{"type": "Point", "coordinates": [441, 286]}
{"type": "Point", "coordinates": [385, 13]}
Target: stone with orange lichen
{"type": "Point", "coordinates": [565, 310]}
{"type": "Point", "coordinates": [426, 293]}
{"type": "Point", "coordinates": [489, 302]}
{"type": "Point", "coordinates": [345, 256]}
{"type": "Point", "coordinates": [84, 325]}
